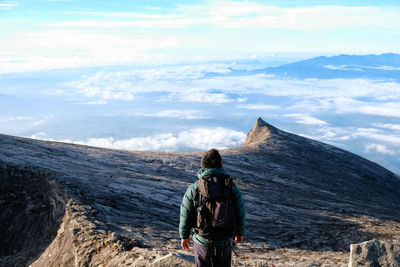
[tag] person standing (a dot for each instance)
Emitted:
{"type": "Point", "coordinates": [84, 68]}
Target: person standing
{"type": "Point", "coordinates": [213, 207]}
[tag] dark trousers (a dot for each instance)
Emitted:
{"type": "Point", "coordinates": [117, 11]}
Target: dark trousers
{"type": "Point", "coordinates": [216, 256]}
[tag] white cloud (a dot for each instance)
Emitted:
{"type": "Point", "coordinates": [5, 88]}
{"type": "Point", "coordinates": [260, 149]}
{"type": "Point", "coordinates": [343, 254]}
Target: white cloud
{"type": "Point", "coordinates": [339, 67]}
{"type": "Point", "coordinates": [395, 127]}
{"type": "Point", "coordinates": [31, 121]}
{"type": "Point", "coordinates": [202, 97]}
{"type": "Point", "coordinates": [332, 88]}
{"type": "Point", "coordinates": [191, 84]}
{"type": "Point", "coordinates": [98, 102]}
{"type": "Point", "coordinates": [8, 5]}
{"type": "Point", "coordinates": [104, 87]}
{"type": "Point", "coordinates": [193, 139]}
{"type": "Point", "coordinates": [239, 15]}
{"type": "Point", "coordinates": [18, 118]}
{"type": "Point", "coordinates": [181, 114]}
{"type": "Point", "coordinates": [16, 125]}
{"type": "Point", "coordinates": [341, 136]}
{"type": "Point", "coordinates": [306, 119]}
{"type": "Point", "coordinates": [259, 83]}
{"type": "Point", "coordinates": [367, 131]}
{"type": "Point", "coordinates": [167, 23]}
{"type": "Point", "coordinates": [122, 14]}
{"type": "Point", "coordinates": [203, 138]}
{"type": "Point", "coordinates": [376, 134]}
{"type": "Point", "coordinates": [348, 105]}
{"type": "Point", "coordinates": [334, 134]}
{"type": "Point", "coordinates": [384, 68]}
{"type": "Point", "coordinates": [185, 83]}
{"type": "Point", "coordinates": [258, 106]}
{"type": "Point", "coordinates": [247, 15]}
{"type": "Point", "coordinates": [64, 48]}
{"type": "Point", "coordinates": [387, 109]}
{"type": "Point", "coordinates": [380, 149]}
{"type": "Point", "coordinates": [105, 95]}
{"type": "Point", "coordinates": [343, 67]}
{"type": "Point", "coordinates": [171, 42]}
{"type": "Point", "coordinates": [41, 135]}
{"type": "Point", "coordinates": [362, 96]}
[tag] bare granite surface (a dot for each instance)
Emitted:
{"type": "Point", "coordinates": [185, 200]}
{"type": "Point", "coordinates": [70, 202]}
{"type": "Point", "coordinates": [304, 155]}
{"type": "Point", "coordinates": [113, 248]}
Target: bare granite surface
{"type": "Point", "coordinates": [70, 205]}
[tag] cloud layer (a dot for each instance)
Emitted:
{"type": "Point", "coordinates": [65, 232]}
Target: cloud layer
{"type": "Point", "coordinates": [246, 15]}
{"type": "Point", "coordinates": [197, 139]}
{"type": "Point", "coordinates": [194, 84]}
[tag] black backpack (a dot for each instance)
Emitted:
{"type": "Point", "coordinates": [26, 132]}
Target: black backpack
{"type": "Point", "coordinates": [216, 210]}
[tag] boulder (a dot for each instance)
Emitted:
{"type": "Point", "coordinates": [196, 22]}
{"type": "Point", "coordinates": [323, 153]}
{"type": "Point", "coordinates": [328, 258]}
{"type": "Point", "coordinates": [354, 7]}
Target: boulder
{"type": "Point", "coordinates": [174, 259]}
{"type": "Point", "coordinates": [374, 253]}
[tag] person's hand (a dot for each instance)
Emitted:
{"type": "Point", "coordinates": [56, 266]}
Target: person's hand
{"type": "Point", "coordinates": [185, 243]}
{"type": "Point", "coordinates": [238, 239]}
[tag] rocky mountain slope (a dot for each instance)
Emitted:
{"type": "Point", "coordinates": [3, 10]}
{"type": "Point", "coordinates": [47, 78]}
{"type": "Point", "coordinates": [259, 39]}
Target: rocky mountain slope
{"type": "Point", "coordinates": [84, 206]}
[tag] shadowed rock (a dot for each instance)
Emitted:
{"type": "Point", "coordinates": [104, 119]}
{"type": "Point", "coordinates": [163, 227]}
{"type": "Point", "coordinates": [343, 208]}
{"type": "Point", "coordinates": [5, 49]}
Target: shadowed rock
{"type": "Point", "coordinates": [32, 205]}
{"type": "Point", "coordinates": [306, 201]}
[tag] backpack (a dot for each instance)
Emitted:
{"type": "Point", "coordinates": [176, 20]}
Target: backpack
{"type": "Point", "coordinates": [216, 210]}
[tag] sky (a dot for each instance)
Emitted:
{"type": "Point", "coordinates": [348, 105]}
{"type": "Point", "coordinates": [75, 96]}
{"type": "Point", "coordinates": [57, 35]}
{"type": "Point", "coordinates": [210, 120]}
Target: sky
{"type": "Point", "coordinates": [173, 76]}
{"type": "Point", "coordinates": [48, 34]}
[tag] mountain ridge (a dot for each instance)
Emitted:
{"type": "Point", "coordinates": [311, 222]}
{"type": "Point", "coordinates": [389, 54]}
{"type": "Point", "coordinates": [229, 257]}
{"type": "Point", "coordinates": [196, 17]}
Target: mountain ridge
{"type": "Point", "coordinates": [381, 66]}
{"type": "Point", "coordinates": [306, 201]}
{"type": "Point", "coordinates": [388, 59]}
{"type": "Point", "coordinates": [342, 66]}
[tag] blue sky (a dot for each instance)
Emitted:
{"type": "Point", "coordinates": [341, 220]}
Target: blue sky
{"type": "Point", "coordinates": [39, 35]}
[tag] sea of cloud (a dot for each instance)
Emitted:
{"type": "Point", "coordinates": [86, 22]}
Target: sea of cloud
{"type": "Point", "coordinates": [194, 84]}
{"type": "Point", "coordinates": [312, 105]}
{"type": "Point", "coordinates": [188, 140]}
{"type": "Point", "coordinates": [213, 105]}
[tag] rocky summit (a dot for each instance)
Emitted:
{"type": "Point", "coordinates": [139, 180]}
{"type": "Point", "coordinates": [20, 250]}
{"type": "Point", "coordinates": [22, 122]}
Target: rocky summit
{"type": "Point", "coordinates": [70, 205]}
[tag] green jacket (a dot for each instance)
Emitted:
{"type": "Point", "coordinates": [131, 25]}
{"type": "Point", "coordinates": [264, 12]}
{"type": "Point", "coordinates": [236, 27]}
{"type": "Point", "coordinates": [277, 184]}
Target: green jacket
{"type": "Point", "coordinates": [189, 206]}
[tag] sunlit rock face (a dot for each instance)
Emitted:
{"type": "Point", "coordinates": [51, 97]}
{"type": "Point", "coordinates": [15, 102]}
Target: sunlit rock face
{"type": "Point", "coordinates": [374, 253]}
{"type": "Point", "coordinates": [260, 133]}
{"type": "Point", "coordinates": [73, 205]}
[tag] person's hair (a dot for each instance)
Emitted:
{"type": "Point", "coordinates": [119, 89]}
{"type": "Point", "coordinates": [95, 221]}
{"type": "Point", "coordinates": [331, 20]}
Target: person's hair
{"type": "Point", "coordinates": [211, 159]}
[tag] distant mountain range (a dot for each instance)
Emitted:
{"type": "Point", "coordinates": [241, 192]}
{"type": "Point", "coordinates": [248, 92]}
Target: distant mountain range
{"type": "Point", "coordinates": [384, 66]}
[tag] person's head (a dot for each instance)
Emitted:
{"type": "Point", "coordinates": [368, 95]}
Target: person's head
{"type": "Point", "coordinates": [211, 159]}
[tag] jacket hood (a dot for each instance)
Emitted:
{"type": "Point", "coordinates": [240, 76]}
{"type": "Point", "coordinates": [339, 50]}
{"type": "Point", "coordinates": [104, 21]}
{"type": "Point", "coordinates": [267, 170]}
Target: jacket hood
{"type": "Point", "coordinates": [208, 171]}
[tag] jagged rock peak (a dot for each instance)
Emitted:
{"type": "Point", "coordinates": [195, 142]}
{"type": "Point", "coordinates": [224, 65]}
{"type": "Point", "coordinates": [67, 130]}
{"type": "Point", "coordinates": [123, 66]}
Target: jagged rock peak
{"type": "Point", "coordinates": [260, 132]}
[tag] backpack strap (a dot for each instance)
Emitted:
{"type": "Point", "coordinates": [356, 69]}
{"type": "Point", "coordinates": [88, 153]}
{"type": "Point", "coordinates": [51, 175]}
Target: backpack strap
{"type": "Point", "coordinates": [229, 184]}
{"type": "Point", "coordinates": [195, 194]}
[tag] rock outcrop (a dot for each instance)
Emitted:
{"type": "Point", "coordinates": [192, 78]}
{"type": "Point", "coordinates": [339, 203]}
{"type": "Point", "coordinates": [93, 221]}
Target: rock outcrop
{"type": "Point", "coordinates": [75, 205]}
{"type": "Point", "coordinates": [174, 259]}
{"type": "Point", "coordinates": [260, 133]}
{"type": "Point", "coordinates": [374, 253]}
{"type": "Point", "coordinates": [32, 205]}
